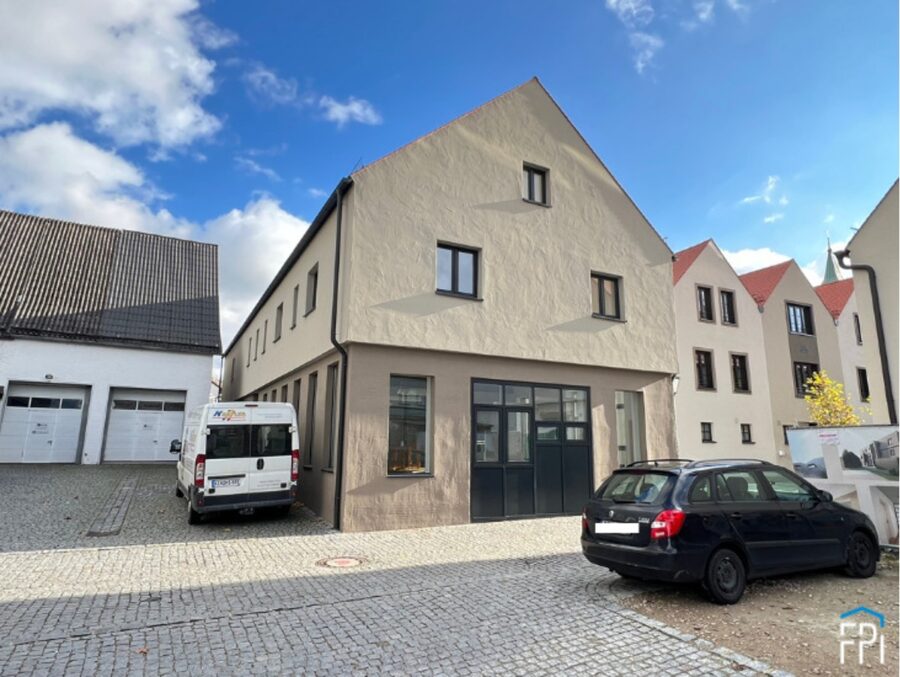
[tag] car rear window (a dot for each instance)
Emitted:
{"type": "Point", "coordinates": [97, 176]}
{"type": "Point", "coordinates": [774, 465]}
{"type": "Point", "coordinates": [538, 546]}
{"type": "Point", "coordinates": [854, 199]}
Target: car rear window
{"type": "Point", "coordinates": [644, 488]}
{"type": "Point", "coordinates": [272, 440]}
{"type": "Point", "coordinates": [227, 441]}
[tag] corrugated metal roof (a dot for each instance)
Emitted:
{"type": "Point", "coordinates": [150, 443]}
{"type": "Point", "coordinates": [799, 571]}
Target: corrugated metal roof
{"type": "Point", "coordinates": [85, 283]}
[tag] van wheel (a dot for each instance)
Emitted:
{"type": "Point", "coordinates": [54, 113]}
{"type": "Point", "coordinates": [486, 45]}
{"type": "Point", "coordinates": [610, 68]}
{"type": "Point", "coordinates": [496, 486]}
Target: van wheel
{"type": "Point", "coordinates": [726, 577]}
{"type": "Point", "coordinates": [861, 560]}
{"type": "Point", "coordinates": [178, 492]}
{"type": "Point", "coordinates": [194, 517]}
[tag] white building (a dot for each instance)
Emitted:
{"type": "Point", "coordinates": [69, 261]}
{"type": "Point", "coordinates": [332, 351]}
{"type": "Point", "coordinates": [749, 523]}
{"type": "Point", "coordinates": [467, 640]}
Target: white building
{"type": "Point", "coordinates": [106, 337]}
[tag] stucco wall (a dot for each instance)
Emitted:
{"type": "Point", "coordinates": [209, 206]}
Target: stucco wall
{"type": "Point", "coordinates": [723, 407]}
{"type": "Point", "coordinates": [463, 185]}
{"type": "Point", "coordinates": [298, 345]}
{"type": "Point", "coordinates": [853, 356]}
{"type": "Point", "coordinates": [876, 244]}
{"type": "Point", "coordinates": [787, 408]}
{"type": "Point", "coordinates": [102, 368]}
{"type": "Point", "coordinates": [372, 500]}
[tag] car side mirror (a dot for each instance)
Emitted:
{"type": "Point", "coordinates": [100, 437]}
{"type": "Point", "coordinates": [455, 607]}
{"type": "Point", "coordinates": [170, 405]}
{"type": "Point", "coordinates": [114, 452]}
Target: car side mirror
{"type": "Point", "coordinates": [175, 447]}
{"type": "Point", "coordinates": [825, 497]}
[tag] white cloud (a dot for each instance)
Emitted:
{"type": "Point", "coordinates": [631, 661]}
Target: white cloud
{"type": "Point", "coordinates": [251, 166]}
{"type": "Point", "coordinates": [632, 13]}
{"type": "Point", "coordinates": [745, 260]}
{"type": "Point", "coordinates": [353, 110]}
{"type": "Point", "coordinates": [783, 200]}
{"type": "Point", "coordinates": [772, 218]}
{"type": "Point", "coordinates": [813, 273]}
{"type": "Point", "coordinates": [645, 46]}
{"type": "Point", "coordinates": [317, 192]}
{"type": "Point", "coordinates": [265, 86]}
{"type": "Point", "coordinates": [767, 195]}
{"type": "Point", "coordinates": [50, 171]}
{"type": "Point", "coordinates": [829, 218]}
{"type": "Point", "coordinates": [703, 10]}
{"type": "Point", "coordinates": [134, 69]}
{"type": "Point", "coordinates": [736, 5]}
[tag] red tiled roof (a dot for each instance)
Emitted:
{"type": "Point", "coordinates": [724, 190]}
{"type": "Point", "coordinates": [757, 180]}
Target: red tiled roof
{"type": "Point", "coordinates": [761, 283]}
{"type": "Point", "coordinates": [835, 295]}
{"type": "Point", "coordinates": [685, 259]}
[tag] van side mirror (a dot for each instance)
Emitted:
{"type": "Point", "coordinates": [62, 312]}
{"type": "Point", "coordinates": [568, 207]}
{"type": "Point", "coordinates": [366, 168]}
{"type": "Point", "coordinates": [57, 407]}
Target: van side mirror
{"type": "Point", "coordinates": [175, 447]}
{"type": "Point", "coordinates": [825, 496]}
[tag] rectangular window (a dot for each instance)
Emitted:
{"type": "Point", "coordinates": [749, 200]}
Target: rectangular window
{"type": "Point", "coordinates": [728, 313]}
{"type": "Point", "coordinates": [284, 393]}
{"type": "Point", "coordinates": [279, 316]}
{"type": "Point", "coordinates": [274, 394]}
{"type": "Point", "coordinates": [706, 432]}
{"type": "Point", "coordinates": [630, 438]}
{"type": "Point", "coordinates": [857, 328]}
{"type": "Point", "coordinates": [249, 350]}
{"type": "Point", "coordinates": [800, 319]}
{"type": "Point", "coordinates": [746, 434]}
{"type": "Point", "coordinates": [457, 270]}
{"type": "Point", "coordinates": [265, 335]}
{"type": "Point", "coordinates": [409, 426]}
{"type": "Point", "coordinates": [256, 346]}
{"type": "Point", "coordinates": [863, 379]}
{"type": "Point", "coordinates": [312, 284]}
{"type": "Point", "coordinates": [295, 399]}
{"type": "Point", "coordinates": [703, 359]}
{"type": "Point", "coordinates": [740, 376]}
{"type": "Point", "coordinates": [295, 306]}
{"type": "Point", "coordinates": [803, 371]}
{"type": "Point", "coordinates": [233, 369]}
{"type": "Point", "coordinates": [265, 397]}
{"type": "Point", "coordinates": [311, 385]}
{"type": "Point", "coordinates": [535, 188]}
{"type": "Point", "coordinates": [331, 388]}
{"type": "Point", "coordinates": [739, 485]}
{"type": "Point", "coordinates": [705, 309]}
{"type": "Point", "coordinates": [605, 296]}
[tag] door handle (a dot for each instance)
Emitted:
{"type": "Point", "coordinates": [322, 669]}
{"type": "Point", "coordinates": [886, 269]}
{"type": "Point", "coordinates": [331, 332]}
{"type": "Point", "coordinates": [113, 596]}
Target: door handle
{"type": "Point", "coordinates": [259, 464]}
{"type": "Point", "coordinates": [735, 515]}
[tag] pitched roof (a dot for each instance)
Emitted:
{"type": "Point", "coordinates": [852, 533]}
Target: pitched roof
{"type": "Point", "coordinates": [90, 284]}
{"type": "Point", "coordinates": [835, 295]}
{"type": "Point", "coordinates": [761, 283]}
{"type": "Point", "coordinates": [685, 259]}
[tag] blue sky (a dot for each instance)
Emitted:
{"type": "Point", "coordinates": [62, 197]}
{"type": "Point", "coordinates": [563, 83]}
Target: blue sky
{"type": "Point", "coordinates": [761, 123]}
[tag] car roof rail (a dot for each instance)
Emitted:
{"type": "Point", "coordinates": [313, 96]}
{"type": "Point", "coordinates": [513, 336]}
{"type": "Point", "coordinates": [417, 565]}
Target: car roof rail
{"type": "Point", "coordinates": [726, 461]}
{"type": "Point", "coordinates": [656, 461]}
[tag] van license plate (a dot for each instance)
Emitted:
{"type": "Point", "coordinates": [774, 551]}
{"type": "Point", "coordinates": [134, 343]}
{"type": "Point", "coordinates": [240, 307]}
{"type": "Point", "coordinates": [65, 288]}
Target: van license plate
{"type": "Point", "coordinates": [617, 528]}
{"type": "Point", "coordinates": [230, 482]}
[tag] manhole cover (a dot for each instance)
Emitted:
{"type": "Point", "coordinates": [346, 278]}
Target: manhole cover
{"type": "Point", "coordinates": [340, 562]}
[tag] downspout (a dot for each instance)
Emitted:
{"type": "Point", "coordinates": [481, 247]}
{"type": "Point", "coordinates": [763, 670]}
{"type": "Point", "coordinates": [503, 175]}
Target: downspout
{"type": "Point", "coordinates": [342, 409]}
{"type": "Point", "coordinates": [879, 330]}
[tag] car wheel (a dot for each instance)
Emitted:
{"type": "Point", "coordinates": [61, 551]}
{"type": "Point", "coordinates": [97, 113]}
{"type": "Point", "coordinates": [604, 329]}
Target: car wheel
{"type": "Point", "coordinates": [194, 517]}
{"type": "Point", "coordinates": [861, 556]}
{"type": "Point", "coordinates": [726, 577]}
{"type": "Point", "coordinates": [178, 492]}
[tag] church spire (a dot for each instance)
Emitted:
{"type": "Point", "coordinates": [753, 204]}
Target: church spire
{"type": "Point", "coordinates": [831, 271]}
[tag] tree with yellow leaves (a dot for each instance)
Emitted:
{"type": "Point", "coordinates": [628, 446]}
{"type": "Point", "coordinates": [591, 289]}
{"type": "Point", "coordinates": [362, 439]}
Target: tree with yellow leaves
{"type": "Point", "coordinates": [827, 402]}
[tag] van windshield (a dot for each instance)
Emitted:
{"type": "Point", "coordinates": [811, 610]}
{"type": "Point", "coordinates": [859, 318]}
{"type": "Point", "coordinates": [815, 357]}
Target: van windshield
{"type": "Point", "coordinates": [271, 440]}
{"type": "Point", "coordinates": [645, 488]}
{"type": "Point", "coordinates": [227, 441]}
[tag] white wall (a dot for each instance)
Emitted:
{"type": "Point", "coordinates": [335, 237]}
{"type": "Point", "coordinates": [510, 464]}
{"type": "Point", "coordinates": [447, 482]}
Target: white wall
{"type": "Point", "coordinates": [102, 368]}
{"type": "Point", "coordinates": [853, 357]}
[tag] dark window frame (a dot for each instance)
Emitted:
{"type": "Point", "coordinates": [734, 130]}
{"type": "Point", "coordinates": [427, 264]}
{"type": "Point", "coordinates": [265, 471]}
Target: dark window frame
{"type": "Point", "coordinates": [731, 307]}
{"type": "Point", "coordinates": [746, 434]}
{"type": "Point", "coordinates": [265, 335]}
{"type": "Point", "coordinates": [455, 250]}
{"type": "Point", "coordinates": [800, 383]}
{"type": "Point", "coordinates": [706, 427]}
{"type": "Point", "coordinates": [312, 383]}
{"type": "Point", "coordinates": [279, 318]}
{"type": "Point", "coordinates": [798, 320]}
{"type": "Point", "coordinates": [711, 366]}
{"type": "Point", "coordinates": [428, 465]}
{"type": "Point", "coordinates": [256, 346]}
{"type": "Point", "coordinates": [529, 170]}
{"type": "Point", "coordinates": [331, 388]}
{"type": "Point", "coordinates": [734, 373]}
{"type": "Point", "coordinates": [862, 379]}
{"type": "Point", "coordinates": [709, 305]}
{"type": "Point", "coordinates": [312, 289]}
{"type": "Point", "coordinates": [600, 311]}
{"type": "Point", "coordinates": [857, 328]}
{"type": "Point", "coordinates": [296, 306]}
{"type": "Point", "coordinates": [249, 350]}
{"type": "Point", "coordinates": [233, 369]}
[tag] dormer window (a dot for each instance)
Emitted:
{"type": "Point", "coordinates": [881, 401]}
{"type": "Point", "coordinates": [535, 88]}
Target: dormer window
{"type": "Point", "coordinates": [535, 188]}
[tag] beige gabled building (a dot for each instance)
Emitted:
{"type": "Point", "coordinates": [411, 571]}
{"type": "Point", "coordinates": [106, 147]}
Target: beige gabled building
{"type": "Point", "coordinates": [800, 339]}
{"type": "Point", "coordinates": [722, 403]}
{"type": "Point", "coordinates": [477, 326]}
{"type": "Point", "coordinates": [873, 253]}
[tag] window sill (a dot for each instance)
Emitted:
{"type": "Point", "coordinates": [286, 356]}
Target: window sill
{"type": "Point", "coordinates": [598, 316]}
{"type": "Point", "coordinates": [742, 392]}
{"type": "Point", "coordinates": [276, 340]}
{"type": "Point", "coordinates": [705, 390]}
{"type": "Point", "coordinates": [409, 475]}
{"type": "Point", "coordinates": [730, 324]}
{"type": "Point", "coordinates": [328, 470]}
{"type": "Point", "coordinates": [294, 326]}
{"type": "Point", "coordinates": [708, 442]}
{"type": "Point", "coordinates": [706, 320]}
{"type": "Point", "coordinates": [536, 203]}
{"type": "Point", "coordinates": [748, 442]}
{"type": "Point", "coordinates": [309, 312]}
{"type": "Point", "coordinates": [800, 333]}
{"type": "Point", "coordinates": [458, 295]}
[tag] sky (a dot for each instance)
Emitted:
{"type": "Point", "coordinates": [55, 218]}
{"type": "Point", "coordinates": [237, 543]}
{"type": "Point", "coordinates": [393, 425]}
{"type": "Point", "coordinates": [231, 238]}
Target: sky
{"type": "Point", "coordinates": [764, 124]}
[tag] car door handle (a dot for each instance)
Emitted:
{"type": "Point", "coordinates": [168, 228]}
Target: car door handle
{"type": "Point", "coordinates": [259, 464]}
{"type": "Point", "coordinates": [735, 515]}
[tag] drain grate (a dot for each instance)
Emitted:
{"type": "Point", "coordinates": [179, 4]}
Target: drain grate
{"type": "Point", "coordinates": [341, 562]}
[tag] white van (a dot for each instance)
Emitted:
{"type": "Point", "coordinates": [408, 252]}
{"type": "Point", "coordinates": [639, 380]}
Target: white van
{"type": "Point", "coordinates": [238, 456]}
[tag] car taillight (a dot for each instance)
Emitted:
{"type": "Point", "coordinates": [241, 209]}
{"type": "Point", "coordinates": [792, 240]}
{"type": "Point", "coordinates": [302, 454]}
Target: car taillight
{"type": "Point", "coordinates": [584, 521]}
{"type": "Point", "coordinates": [667, 524]}
{"type": "Point", "coordinates": [295, 465]}
{"type": "Point", "coordinates": [199, 470]}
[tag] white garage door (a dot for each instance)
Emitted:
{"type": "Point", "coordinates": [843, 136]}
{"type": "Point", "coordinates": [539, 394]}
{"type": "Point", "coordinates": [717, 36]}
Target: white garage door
{"type": "Point", "coordinates": [142, 425]}
{"type": "Point", "coordinates": [42, 424]}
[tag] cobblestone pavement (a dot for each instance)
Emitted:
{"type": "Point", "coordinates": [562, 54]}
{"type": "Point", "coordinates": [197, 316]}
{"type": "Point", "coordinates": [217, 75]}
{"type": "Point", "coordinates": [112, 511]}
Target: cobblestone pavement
{"type": "Point", "coordinates": [246, 595]}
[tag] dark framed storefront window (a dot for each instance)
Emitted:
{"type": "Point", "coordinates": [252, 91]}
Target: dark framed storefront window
{"type": "Point", "coordinates": [409, 426]}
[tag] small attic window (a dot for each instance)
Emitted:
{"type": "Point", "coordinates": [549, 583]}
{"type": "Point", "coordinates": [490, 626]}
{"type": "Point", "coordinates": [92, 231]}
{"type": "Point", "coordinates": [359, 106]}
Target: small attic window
{"type": "Point", "coordinates": [536, 187]}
